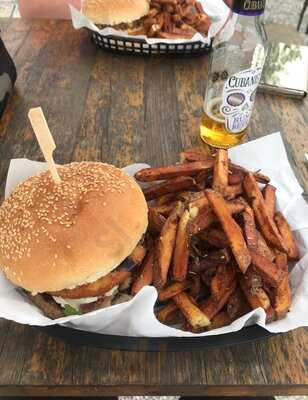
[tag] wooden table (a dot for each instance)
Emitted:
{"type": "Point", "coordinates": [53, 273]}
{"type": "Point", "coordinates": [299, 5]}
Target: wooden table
{"type": "Point", "coordinates": [123, 109]}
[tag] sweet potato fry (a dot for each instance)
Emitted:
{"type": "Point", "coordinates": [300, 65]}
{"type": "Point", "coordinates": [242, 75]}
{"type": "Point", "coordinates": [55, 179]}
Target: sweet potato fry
{"type": "Point", "coordinates": [165, 246]}
{"type": "Point", "coordinates": [258, 176]}
{"type": "Point", "coordinates": [235, 178]}
{"type": "Point", "coordinates": [268, 270]}
{"type": "Point", "coordinates": [165, 199]}
{"type": "Point", "coordinates": [192, 156]}
{"type": "Point", "coordinates": [97, 288]}
{"type": "Point", "coordinates": [137, 255]}
{"type": "Point", "coordinates": [170, 186]}
{"type": "Point", "coordinates": [190, 197]}
{"type": "Point", "coordinates": [220, 320]}
{"type": "Point", "coordinates": [237, 305]}
{"type": "Point", "coordinates": [199, 202]}
{"type": "Point", "coordinates": [206, 216]}
{"type": "Point", "coordinates": [232, 191]}
{"type": "Point", "coordinates": [231, 229]}
{"type": "Point", "coordinates": [184, 34]}
{"type": "Point", "coordinates": [270, 314]}
{"type": "Point", "coordinates": [282, 297]}
{"type": "Point", "coordinates": [156, 220]}
{"type": "Point", "coordinates": [216, 237]}
{"type": "Point", "coordinates": [135, 258]}
{"type": "Point", "coordinates": [257, 298]}
{"type": "Point", "coordinates": [181, 252]}
{"type": "Point", "coordinates": [235, 206]}
{"type": "Point", "coordinates": [225, 274]}
{"type": "Point", "coordinates": [250, 231]}
{"type": "Point", "coordinates": [214, 258]}
{"type": "Point", "coordinates": [165, 209]}
{"type": "Point", "coordinates": [195, 317]}
{"type": "Point", "coordinates": [175, 288]}
{"type": "Point", "coordinates": [145, 277]}
{"type": "Point", "coordinates": [266, 224]}
{"type": "Point", "coordinates": [282, 294]}
{"type": "Point", "coordinates": [172, 171]}
{"type": "Point", "coordinates": [281, 260]}
{"type": "Point", "coordinates": [201, 179]}
{"type": "Point", "coordinates": [220, 171]}
{"type": "Point", "coordinates": [211, 306]}
{"type": "Point", "coordinates": [202, 221]}
{"type": "Point", "coordinates": [166, 313]}
{"type": "Point", "coordinates": [263, 249]}
{"type": "Point", "coordinates": [287, 236]}
{"type": "Point", "coordinates": [195, 288]}
{"type": "Point", "coordinates": [269, 194]}
{"type": "Point", "coordinates": [137, 31]}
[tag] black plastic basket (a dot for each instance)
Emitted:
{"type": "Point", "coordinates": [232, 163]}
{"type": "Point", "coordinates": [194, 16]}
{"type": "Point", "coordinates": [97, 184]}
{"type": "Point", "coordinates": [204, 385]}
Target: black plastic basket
{"type": "Point", "coordinates": [124, 45]}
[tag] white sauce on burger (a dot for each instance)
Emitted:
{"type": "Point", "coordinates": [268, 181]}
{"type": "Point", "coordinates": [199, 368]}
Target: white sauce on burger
{"type": "Point", "coordinates": [76, 303]}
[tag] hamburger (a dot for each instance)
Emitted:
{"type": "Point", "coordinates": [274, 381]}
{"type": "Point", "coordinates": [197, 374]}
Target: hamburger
{"type": "Point", "coordinates": [120, 14]}
{"type": "Point", "coordinates": [71, 246]}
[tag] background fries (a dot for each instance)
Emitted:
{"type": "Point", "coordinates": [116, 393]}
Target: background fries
{"type": "Point", "coordinates": [172, 19]}
{"type": "Point", "coordinates": [218, 247]}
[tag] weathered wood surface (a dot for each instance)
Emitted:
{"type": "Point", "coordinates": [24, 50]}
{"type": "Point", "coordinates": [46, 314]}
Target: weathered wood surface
{"type": "Point", "coordinates": [122, 109]}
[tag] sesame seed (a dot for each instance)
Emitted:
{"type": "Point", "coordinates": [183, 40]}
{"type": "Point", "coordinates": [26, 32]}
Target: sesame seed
{"type": "Point", "coordinates": [37, 204]}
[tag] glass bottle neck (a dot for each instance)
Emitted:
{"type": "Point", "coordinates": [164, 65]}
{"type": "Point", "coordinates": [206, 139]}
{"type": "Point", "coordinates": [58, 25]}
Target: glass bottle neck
{"type": "Point", "coordinates": [246, 7]}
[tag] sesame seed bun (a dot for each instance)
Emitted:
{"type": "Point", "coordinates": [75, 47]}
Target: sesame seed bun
{"type": "Point", "coordinates": [112, 12]}
{"type": "Point", "coordinates": [55, 237]}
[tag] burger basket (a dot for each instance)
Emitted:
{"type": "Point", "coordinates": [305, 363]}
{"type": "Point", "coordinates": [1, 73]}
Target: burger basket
{"type": "Point", "coordinates": [124, 45]}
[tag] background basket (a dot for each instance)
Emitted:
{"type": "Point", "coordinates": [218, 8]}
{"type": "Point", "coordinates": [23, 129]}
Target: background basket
{"type": "Point", "coordinates": [134, 46]}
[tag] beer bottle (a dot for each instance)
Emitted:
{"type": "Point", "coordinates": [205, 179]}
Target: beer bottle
{"type": "Point", "coordinates": [239, 52]}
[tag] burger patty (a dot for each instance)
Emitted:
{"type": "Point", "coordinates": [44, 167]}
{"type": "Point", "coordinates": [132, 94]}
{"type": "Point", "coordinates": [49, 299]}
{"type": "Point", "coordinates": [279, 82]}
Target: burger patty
{"type": "Point", "coordinates": [102, 285]}
{"type": "Point", "coordinates": [53, 310]}
{"type": "Point", "coordinates": [123, 26]}
{"type": "Point", "coordinates": [47, 304]}
{"type": "Point", "coordinates": [121, 276]}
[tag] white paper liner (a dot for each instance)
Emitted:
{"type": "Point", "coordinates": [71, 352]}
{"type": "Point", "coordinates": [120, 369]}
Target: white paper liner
{"type": "Point", "coordinates": [136, 317]}
{"type": "Point", "coordinates": [216, 10]}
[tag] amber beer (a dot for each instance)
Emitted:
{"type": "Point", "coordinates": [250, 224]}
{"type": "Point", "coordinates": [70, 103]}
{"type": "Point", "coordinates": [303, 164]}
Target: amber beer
{"type": "Point", "coordinates": [213, 128]}
{"type": "Point", "coordinates": [239, 52]}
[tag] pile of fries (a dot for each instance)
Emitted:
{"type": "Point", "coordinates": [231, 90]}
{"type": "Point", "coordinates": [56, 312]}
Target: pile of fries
{"type": "Point", "coordinates": [216, 247]}
{"type": "Point", "coordinates": [173, 19]}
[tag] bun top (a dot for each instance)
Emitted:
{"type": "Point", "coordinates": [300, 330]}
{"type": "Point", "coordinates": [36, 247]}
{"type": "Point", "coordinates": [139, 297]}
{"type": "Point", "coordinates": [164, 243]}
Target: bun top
{"type": "Point", "coordinates": [113, 12]}
{"type": "Point", "coordinates": [55, 237]}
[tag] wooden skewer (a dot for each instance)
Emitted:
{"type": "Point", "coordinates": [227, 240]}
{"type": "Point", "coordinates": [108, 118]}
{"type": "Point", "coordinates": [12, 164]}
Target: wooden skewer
{"type": "Point", "coordinates": [45, 139]}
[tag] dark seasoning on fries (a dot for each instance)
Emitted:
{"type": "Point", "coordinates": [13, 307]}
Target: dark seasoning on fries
{"type": "Point", "coordinates": [216, 246]}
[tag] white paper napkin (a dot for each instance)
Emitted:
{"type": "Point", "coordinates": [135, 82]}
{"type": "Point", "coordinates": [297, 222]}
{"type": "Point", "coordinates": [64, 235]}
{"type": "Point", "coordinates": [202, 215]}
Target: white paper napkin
{"type": "Point", "coordinates": [136, 317]}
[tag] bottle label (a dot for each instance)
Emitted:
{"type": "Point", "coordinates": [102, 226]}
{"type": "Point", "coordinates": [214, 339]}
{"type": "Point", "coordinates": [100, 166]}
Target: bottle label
{"type": "Point", "coordinates": [247, 7]}
{"type": "Point", "coordinates": [238, 96]}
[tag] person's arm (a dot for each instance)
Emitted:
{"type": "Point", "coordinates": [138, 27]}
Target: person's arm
{"type": "Point", "coordinates": [55, 9]}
